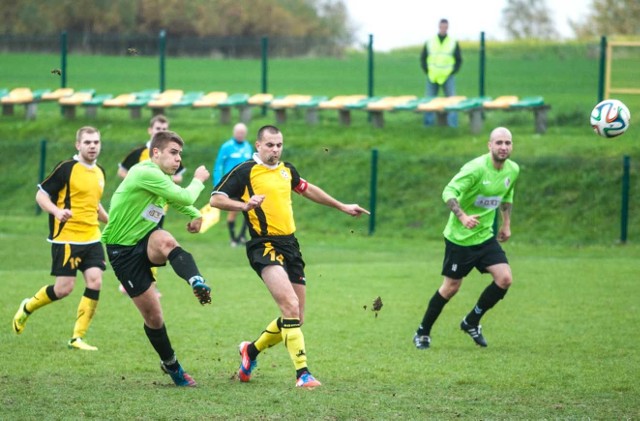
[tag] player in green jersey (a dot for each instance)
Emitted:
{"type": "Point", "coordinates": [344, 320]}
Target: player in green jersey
{"type": "Point", "coordinates": [135, 243]}
{"type": "Point", "coordinates": [483, 185]}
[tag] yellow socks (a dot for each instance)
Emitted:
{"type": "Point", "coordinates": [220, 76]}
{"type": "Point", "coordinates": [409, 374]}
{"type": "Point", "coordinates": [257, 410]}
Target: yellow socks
{"type": "Point", "coordinates": [86, 310]}
{"type": "Point", "coordinates": [271, 336]}
{"type": "Point", "coordinates": [41, 299]}
{"type": "Point", "coordinates": [294, 342]}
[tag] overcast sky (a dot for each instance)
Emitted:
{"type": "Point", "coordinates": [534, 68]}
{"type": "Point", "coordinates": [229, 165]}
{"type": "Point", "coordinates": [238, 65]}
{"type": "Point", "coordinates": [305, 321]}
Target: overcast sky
{"type": "Point", "coordinates": [399, 23]}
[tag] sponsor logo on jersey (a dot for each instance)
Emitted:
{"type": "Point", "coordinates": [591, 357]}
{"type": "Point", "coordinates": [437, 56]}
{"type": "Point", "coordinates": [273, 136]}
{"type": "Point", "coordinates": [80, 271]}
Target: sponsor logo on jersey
{"type": "Point", "coordinates": [488, 202]}
{"type": "Point", "coordinates": [153, 213]}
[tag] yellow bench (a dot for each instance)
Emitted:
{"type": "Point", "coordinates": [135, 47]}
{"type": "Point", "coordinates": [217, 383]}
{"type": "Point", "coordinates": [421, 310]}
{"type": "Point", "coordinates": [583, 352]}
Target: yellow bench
{"type": "Point", "coordinates": [69, 103]}
{"type": "Point", "coordinates": [260, 99]}
{"type": "Point", "coordinates": [165, 100]}
{"type": "Point", "coordinates": [57, 94]}
{"type": "Point", "coordinates": [500, 102]}
{"type": "Point", "coordinates": [377, 108]}
{"type": "Point", "coordinates": [22, 96]}
{"type": "Point", "coordinates": [210, 100]}
{"type": "Point", "coordinates": [134, 101]}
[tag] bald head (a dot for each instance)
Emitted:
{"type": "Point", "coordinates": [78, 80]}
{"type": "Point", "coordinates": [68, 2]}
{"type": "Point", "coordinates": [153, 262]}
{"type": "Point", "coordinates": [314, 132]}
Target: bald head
{"type": "Point", "coordinates": [240, 132]}
{"type": "Point", "coordinates": [500, 145]}
{"type": "Point", "coordinates": [500, 132]}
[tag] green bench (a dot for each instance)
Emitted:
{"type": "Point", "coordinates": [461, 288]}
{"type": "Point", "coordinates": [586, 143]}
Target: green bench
{"type": "Point", "coordinates": [534, 104]}
{"type": "Point", "coordinates": [23, 96]}
{"type": "Point", "coordinates": [281, 104]}
{"type": "Point", "coordinates": [142, 98]}
{"type": "Point", "coordinates": [239, 101]}
{"type": "Point", "coordinates": [69, 103]}
{"type": "Point", "coordinates": [91, 105]}
{"type": "Point", "coordinates": [311, 108]}
{"type": "Point", "coordinates": [344, 114]}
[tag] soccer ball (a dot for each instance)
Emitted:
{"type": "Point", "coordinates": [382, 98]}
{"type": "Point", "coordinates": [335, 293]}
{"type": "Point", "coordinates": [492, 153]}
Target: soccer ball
{"type": "Point", "coordinates": [610, 118]}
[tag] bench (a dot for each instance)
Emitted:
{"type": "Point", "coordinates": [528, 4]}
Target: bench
{"type": "Point", "coordinates": [225, 102]}
{"type": "Point", "coordinates": [376, 109]}
{"type": "Point", "coordinates": [134, 101]}
{"type": "Point", "coordinates": [311, 108]}
{"type": "Point", "coordinates": [69, 103]}
{"type": "Point", "coordinates": [22, 96]}
{"type": "Point", "coordinates": [339, 103]}
{"type": "Point", "coordinates": [91, 105]}
{"type": "Point", "coordinates": [509, 103]}
{"type": "Point", "coordinates": [164, 100]}
{"type": "Point", "coordinates": [239, 101]}
{"type": "Point", "coordinates": [55, 95]}
{"type": "Point", "coordinates": [281, 104]}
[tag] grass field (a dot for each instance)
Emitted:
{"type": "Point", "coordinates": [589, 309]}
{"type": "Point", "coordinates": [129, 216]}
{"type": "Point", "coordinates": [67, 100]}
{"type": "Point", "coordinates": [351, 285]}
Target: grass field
{"type": "Point", "coordinates": [562, 345]}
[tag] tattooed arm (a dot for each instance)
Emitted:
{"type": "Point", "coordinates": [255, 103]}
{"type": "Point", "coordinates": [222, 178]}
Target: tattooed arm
{"type": "Point", "coordinates": [469, 221]}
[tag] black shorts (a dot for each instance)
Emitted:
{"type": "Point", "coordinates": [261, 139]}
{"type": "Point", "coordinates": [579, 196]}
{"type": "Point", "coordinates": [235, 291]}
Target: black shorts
{"type": "Point", "coordinates": [278, 250]}
{"type": "Point", "coordinates": [68, 259]}
{"type": "Point", "coordinates": [132, 266]}
{"type": "Point", "coordinates": [460, 260]}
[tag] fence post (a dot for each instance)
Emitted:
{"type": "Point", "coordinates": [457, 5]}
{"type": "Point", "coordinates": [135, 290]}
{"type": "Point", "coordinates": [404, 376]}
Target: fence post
{"type": "Point", "coordinates": [374, 191]}
{"type": "Point", "coordinates": [63, 59]}
{"type": "Point", "coordinates": [265, 61]}
{"type": "Point", "coordinates": [43, 160]}
{"type": "Point", "coordinates": [482, 65]}
{"type": "Point", "coordinates": [603, 61]}
{"type": "Point", "coordinates": [162, 46]}
{"type": "Point", "coordinates": [624, 211]}
{"type": "Point", "coordinates": [370, 67]}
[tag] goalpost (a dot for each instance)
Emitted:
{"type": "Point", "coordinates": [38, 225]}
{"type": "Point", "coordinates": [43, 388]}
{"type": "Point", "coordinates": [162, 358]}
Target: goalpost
{"type": "Point", "coordinates": [617, 90]}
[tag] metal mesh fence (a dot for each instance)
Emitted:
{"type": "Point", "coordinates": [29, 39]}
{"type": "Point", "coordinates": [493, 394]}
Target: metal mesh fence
{"type": "Point", "coordinates": [558, 200]}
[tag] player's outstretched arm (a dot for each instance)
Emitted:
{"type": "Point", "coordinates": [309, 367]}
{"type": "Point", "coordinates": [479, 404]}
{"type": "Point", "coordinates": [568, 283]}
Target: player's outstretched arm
{"type": "Point", "coordinates": [318, 195]}
{"type": "Point", "coordinates": [222, 201]}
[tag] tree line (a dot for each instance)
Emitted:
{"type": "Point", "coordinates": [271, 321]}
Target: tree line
{"type": "Point", "coordinates": [326, 19]}
{"type": "Point", "coordinates": [532, 19]}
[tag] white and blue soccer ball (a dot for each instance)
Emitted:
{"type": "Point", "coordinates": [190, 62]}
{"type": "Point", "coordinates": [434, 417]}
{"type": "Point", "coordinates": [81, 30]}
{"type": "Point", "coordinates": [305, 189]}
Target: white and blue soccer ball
{"type": "Point", "coordinates": [610, 118]}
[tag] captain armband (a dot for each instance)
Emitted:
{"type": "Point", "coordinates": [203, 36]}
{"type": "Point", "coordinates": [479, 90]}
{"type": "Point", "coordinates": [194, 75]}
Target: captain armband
{"type": "Point", "coordinates": [302, 186]}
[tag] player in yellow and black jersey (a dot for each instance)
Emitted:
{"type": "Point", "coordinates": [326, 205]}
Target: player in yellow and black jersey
{"type": "Point", "coordinates": [158, 123]}
{"type": "Point", "coordinates": [261, 188]}
{"type": "Point", "coordinates": [71, 195]}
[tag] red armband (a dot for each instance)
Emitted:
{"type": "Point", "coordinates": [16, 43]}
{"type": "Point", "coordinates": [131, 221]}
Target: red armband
{"type": "Point", "coordinates": [302, 186]}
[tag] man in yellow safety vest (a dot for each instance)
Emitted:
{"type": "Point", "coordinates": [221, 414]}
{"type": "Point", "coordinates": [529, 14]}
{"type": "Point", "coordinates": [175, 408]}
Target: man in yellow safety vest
{"type": "Point", "coordinates": [440, 60]}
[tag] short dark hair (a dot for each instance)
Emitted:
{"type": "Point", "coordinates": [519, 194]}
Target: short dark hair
{"type": "Point", "coordinates": [443, 20]}
{"type": "Point", "coordinates": [86, 129]}
{"type": "Point", "coordinates": [267, 129]}
{"type": "Point", "coordinates": [158, 118]}
{"type": "Point", "coordinates": [160, 140]}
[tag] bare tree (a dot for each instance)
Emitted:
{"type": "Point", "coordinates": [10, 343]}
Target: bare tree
{"type": "Point", "coordinates": [609, 17]}
{"type": "Point", "coordinates": [524, 19]}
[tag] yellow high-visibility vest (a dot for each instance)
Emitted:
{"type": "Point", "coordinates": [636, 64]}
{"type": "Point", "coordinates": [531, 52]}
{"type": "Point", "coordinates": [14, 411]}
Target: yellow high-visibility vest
{"type": "Point", "coordinates": [440, 60]}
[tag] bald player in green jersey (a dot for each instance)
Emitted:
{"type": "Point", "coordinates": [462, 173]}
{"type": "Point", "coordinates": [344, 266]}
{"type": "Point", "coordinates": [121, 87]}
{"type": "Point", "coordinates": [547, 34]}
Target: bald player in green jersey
{"type": "Point", "coordinates": [135, 243]}
{"type": "Point", "coordinates": [483, 185]}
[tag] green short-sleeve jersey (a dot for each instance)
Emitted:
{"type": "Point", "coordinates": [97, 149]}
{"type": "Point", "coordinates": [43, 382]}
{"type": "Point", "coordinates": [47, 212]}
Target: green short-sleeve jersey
{"type": "Point", "coordinates": [479, 188]}
{"type": "Point", "coordinates": [138, 202]}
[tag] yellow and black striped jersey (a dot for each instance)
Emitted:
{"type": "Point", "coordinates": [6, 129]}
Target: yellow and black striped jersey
{"type": "Point", "coordinates": [275, 215]}
{"type": "Point", "coordinates": [78, 187]}
{"type": "Point", "coordinates": [140, 154]}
